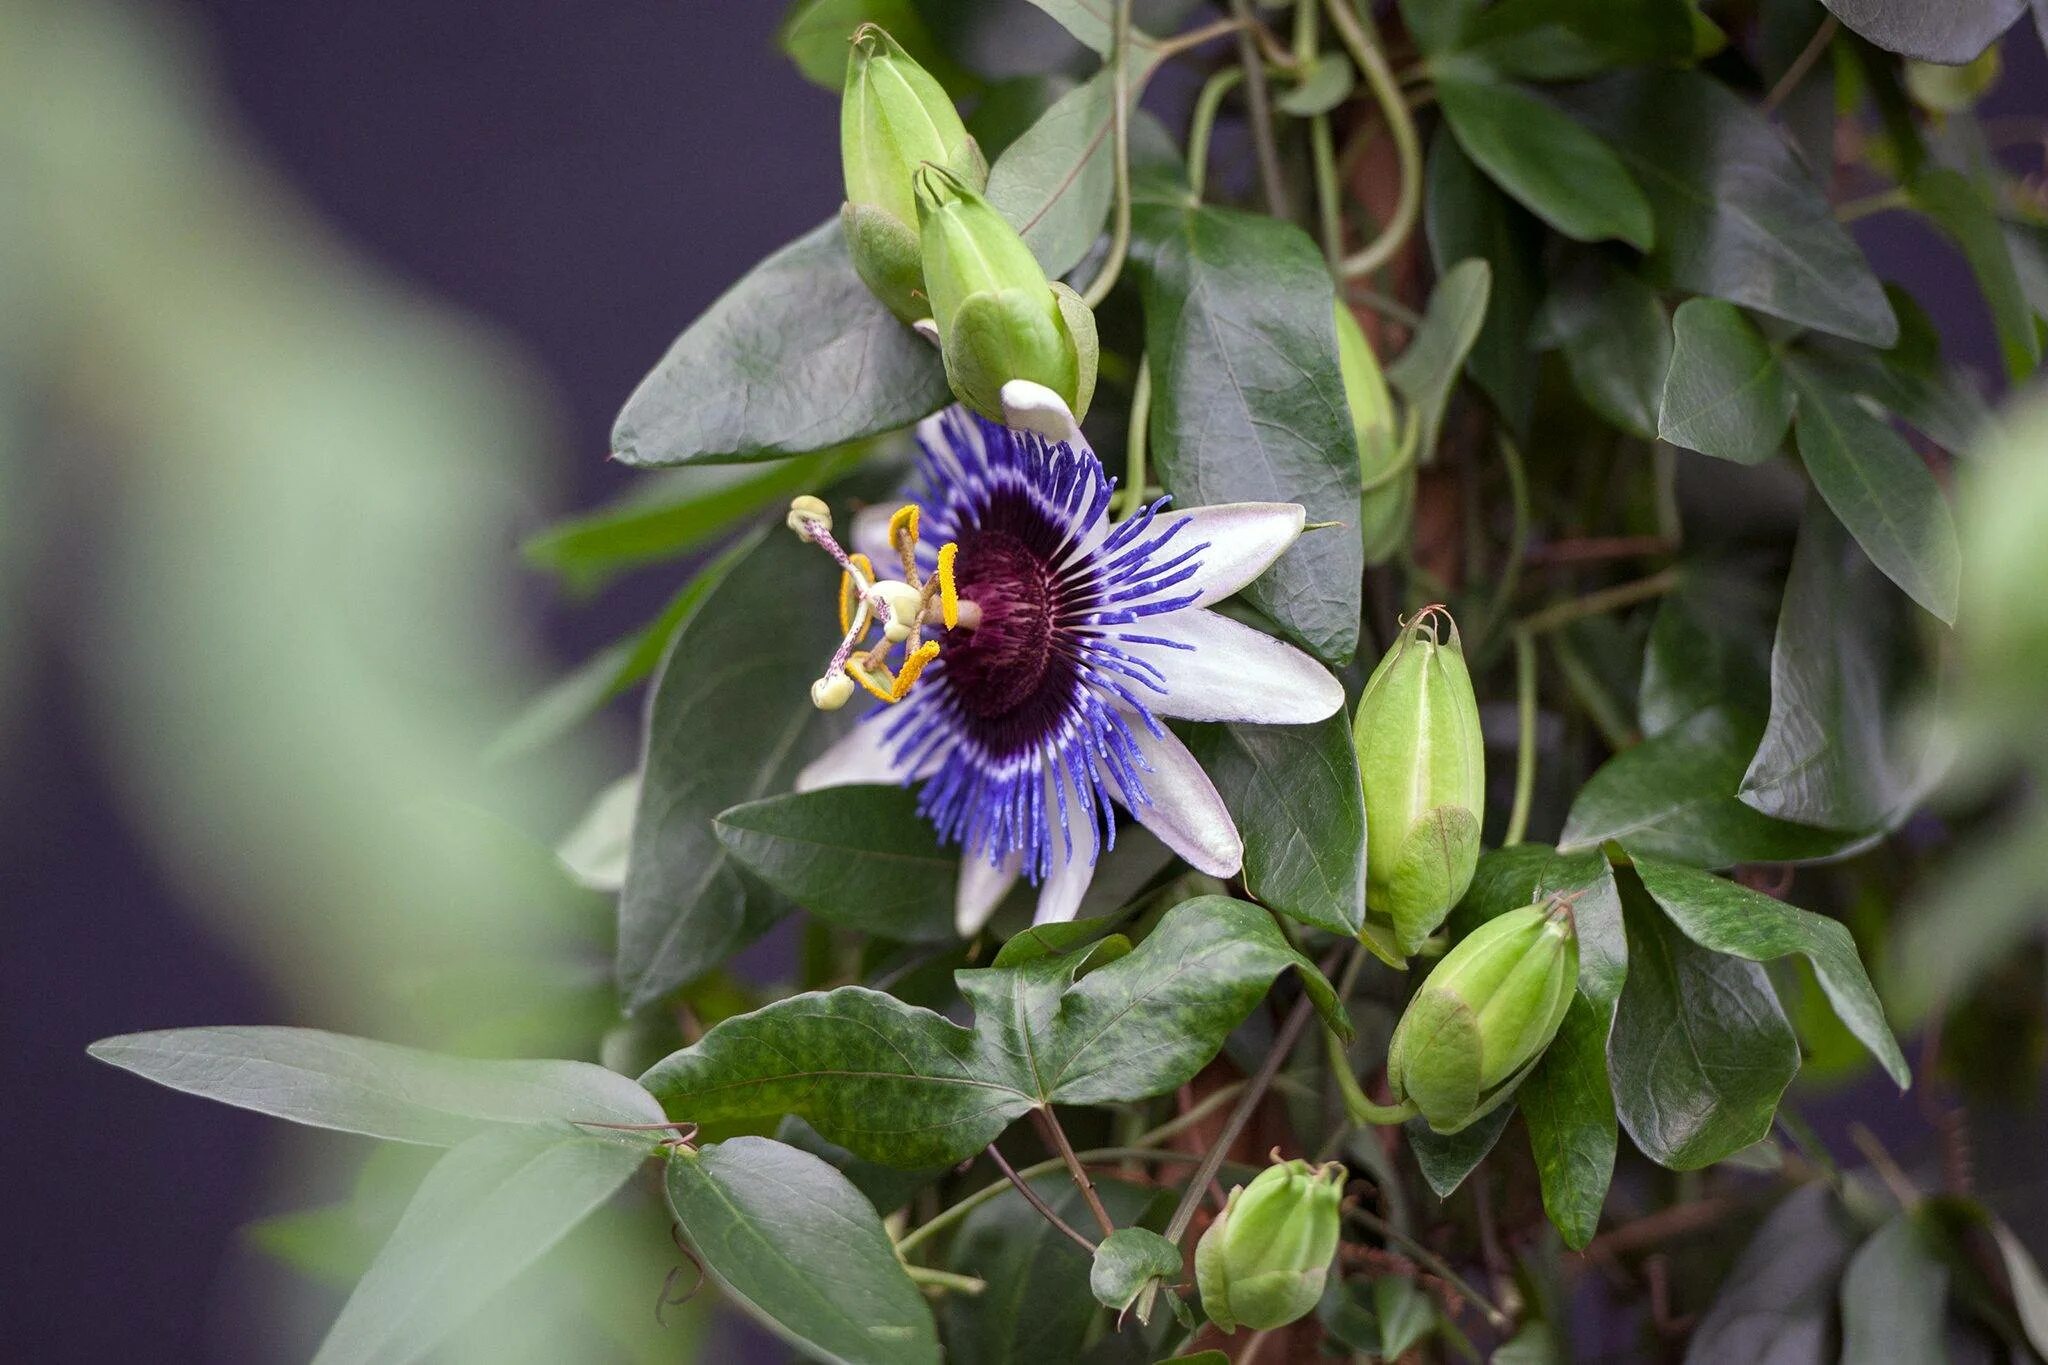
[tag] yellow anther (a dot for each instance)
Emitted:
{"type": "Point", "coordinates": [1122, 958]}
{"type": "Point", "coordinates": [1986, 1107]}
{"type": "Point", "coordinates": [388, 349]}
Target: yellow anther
{"type": "Point", "coordinates": [949, 591]}
{"type": "Point", "coordinates": [852, 594]}
{"type": "Point", "coordinates": [904, 521]}
{"type": "Point", "coordinates": [913, 666]}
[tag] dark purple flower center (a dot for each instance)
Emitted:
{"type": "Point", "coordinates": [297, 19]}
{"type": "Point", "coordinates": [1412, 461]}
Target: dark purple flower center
{"type": "Point", "coordinates": [1011, 675]}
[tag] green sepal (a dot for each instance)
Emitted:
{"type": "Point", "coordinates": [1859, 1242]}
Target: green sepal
{"type": "Point", "coordinates": [1434, 1059]}
{"type": "Point", "coordinates": [1078, 319]}
{"type": "Point", "coordinates": [998, 336]}
{"type": "Point", "coordinates": [1433, 870]}
{"type": "Point", "coordinates": [887, 258]}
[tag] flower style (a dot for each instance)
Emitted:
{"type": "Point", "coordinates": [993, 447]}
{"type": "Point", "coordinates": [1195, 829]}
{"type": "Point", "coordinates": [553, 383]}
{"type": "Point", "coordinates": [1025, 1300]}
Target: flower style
{"type": "Point", "coordinates": [1064, 641]}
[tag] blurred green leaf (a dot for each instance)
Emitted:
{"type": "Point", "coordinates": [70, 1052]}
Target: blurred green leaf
{"type": "Point", "coordinates": [1249, 406]}
{"type": "Point", "coordinates": [1737, 216]}
{"type": "Point", "coordinates": [330, 1080]}
{"type": "Point", "coordinates": [2029, 1289]}
{"type": "Point", "coordinates": [595, 851]}
{"type": "Point", "coordinates": [1710, 645]}
{"type": "Point", "coordinates": [1294, 793]}
{"type": "Point", "coordinates": [861, 857]}
{"type": "Point", "coordinates": [1427, 371]}
{"type": "Point", "coordinates": [1405, 1312]}
{"type": "Point", "coordinates": [1328, 84]}
{"type": "Point", "coordinates": [1700, 1050]}
{"type": "Point", "coordinates": [1616, 340]}
{"type": "Point", "coordinates": [797, 357]}
{"type": "Point", "coordinates": [1725, 394]}
{"type": "Point", "coordinates": [1968, 212]}
{"type": "Point", "coordinates": [1778, 1302]}
{"type": "Point", "coordinates": [1467, 217]}
{"type": "Point", "coordinates": [1725, 918]}
{"type": "Point", "coordinates": [1560, 172]}
{"type": "Point", "coordinates": [796, 1248]}
{"type": "Point", "coordinates": [1091, 21]}
{"type": "Point", "coordinates": [487, 1210]}
{"type": "Point", "coordinates": [1556, 40]}
{"type": "Point", "coordinates": [1895, 1298]}
{"type": "Point", "coordinates": [1951, 33]}
{"type": "Point", "coordinates": [817, 35]}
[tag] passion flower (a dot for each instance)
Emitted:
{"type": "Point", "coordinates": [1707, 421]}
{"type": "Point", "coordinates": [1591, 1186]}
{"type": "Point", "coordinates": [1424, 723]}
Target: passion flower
{"type": "Point", "coordinates": [1060, 644]}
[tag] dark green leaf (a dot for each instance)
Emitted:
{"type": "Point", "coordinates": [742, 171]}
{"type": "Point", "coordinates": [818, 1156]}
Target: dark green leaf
{"type": "Point", "coordinates": [1559, 171]}
{"type": "Point", "coordinates": [885, 1187]}
{"type": "Point", "coordinates": [1525, 874]}
{"type": "Point", "coordinates": [1468, 218]}
{"type": "Point", "coordinates": [1725, 918]}
{"type": "Point", "coordinates": [1427, 371]}
{"type": "Point", "coordinates": [1710, 645]}
{"type": "Point", "coordinates": [1054, 184]}
{"type": "Point", "coordinates": [1911, 379]}
{"type": "Point", "coordinates": [1091, 21]}
{"type": "Point", "coordinates": [1126, 1261]}
{"type": "Point", "coordinates": [678, 513]}
{"type": "Point", "coordinates": [1700, 1049]}
{"type": "Point", "coordinates": [1555, 40]}
{"type": "Point", "coordinates": [1967, 211]}
{"type": "Point", "coordinates": [1777, 1306]}
{"type": "Point", "coordinates": [1445, 1160]}
{"type": "Point", "coordinates": [858, 856]}
{"type": "Point", "coordinates": [1406, 1314]}
{"type": "Point", "coordinates": [1248, 406]}
{"type": "Point", "coordinates": [905, 1086]}
{"type": "Point", "coordinates": [486, 1211]}
{"type": "Point", "coordinates": [330, 1080]}
{"type": "Point", "coordinates": [1674, 796]}
{"type": "Point", "coordinates": [1294, 792]}
{"type": "Point", "coordinates": [1616, 339]}
{"type": "Point", "coordinates": [1569, 1108]}
{"type": "Point", "coordinates": [1951, 32]}
{"type": "Point", "coordinates": [1737, 217]}
{"type": "Point", "coordinates": [799, 1250]}
{"type": "Point", "coordinates": [1725, 394]}
{"type": "Point", "coordinates": [730, 721]}
{"type": "Point", "coordinates": [796, 357]}
{"type": "Point", "coordinates": [1895, 1298]}
{"type": "Point", "coordinates": [1836, 753]}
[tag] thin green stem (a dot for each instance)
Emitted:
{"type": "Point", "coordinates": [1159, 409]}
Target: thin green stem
{"type": "Point", "coordinates": [1850, 210]}
{"type": "Point", "coordinates": [1203, 123]}
{"type": "Point", "coordinates": [1400, 123]}
{"type": "Point", "coordinates": [1132, 495]}
{"type": "Point", "coordinates": [946, 1280]}
{"type": "Point", "coordinates": [1120, 139]}
{"type": "Point", "coordinates": [1600, 602]}
{"type": "Point", "coordinates": [1605, 714]}
{"type": "Point", "coordinates": [1518, 541]}
{"type": "Point", "coordinates": [1816, 47]}
{"type": "Point", "coordinates": [1433, 1263]}
{"type": "Point", "coordinates": [1361, 1107]}
{"type": "Point", "coordinates": [1525, 743]}
{"type": "Point", "coordinates": [1181, 43]}
{"type": "Point", "coordinates": [1322, 150]}
{"type": "Point", "coordinates": [1259, 111]}
{"type": "Point", "coordinates": [1082, 1179]}
{"type": "Point", "coordinates": [946, 1218]}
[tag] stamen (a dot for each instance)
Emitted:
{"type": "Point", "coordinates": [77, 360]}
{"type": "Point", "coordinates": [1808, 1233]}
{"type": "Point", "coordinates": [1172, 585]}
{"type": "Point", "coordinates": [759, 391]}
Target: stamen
{"type": "Point", "coordinates": [949, 591]}
{"type": "Point", "coordinates": [900, 684]}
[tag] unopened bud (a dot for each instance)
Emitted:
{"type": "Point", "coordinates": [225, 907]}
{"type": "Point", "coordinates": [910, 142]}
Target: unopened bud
{"type": "Point", "coordinates": [998, 316]}
{"type": "Point", "coordinates": [831, 692]}
{"type": "Point", "coordinates": [894, 118]}
{"type": "Point", "coordinates": [1481, 1021]}
{"type": "Point", "coordinates": [1389, 496]}
{"type": "Point", "coordinates": [1263, 1262]}
{"type": "Point", "coordinates": [1423, 768]}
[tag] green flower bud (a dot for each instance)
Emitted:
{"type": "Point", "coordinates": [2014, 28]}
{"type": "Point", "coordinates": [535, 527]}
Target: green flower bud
{"type": "Point", "coordinates": [1483, 1018]}
{"type": "Point", "coordinates": [998, 317]}
{"type": "Point", "coordinates": [1263, 1261]}
{"type": "Point", "coordinates": [894, 118]}
{"type": "Point", "coordinates": [1388, 501]}
{"type": "Point", "coordinates": [1424, 773]}
{"type": "Point", "coordinates": [1952, 89]}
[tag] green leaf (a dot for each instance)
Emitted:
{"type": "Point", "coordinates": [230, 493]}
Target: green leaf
{"type": "Point", "coordinates": [1328, 84]}
{"type": "Point", "coordinates": [1468, 218]}
{"type": "Point", "coordinates": [486, 1211]}
{"type": "Point", "coordinates": [1446, 1159]}
{"type": "Point", "coordinates": [1951, 33]}
{"type": "Point", "coordinates": [1616, 339]}
{"type": "Point", "coordinates": [885, 1187]}
{"type": "Point", "coordinates": [1710, 645]}
{"type": "Point", "coordinates": [1126, 1261]}
{"type": "Point", "coordinates": [1837, 754]}
{"type": "Point", "coordinates": [816, 35]}
{"type": "Point", "coordinates": [1675, 796]}
{"type": "Point", "coordinates": [1700, 1050]}
{"type": "Point", "coordinates": [1725, 918]}
{"type": "Point", "coordinates": [594, 852]}
{"type": "Point", "coordinates": [1037, 1307]}
{"type": "Point", "coordinates": [1967, 212]}
{"type": "Point", "coordinates": [1778, 1303]}
{"type": "Point", "coordinates": [1559, 171]}
{"type": "Point", "coordinates": [1248, 404]}
{"type": "Point", "coordinates": [1427, 371]}
{"type": "Point", "coordinates": [1556, 40]}
{"type": "Point", "coordinates": [861, 857]}
{"type": "Point", "coordinates": [1737, 217]}
{"type": "Point", "coordinates": [797, 357]}
{"type": "Point", "coordinates": [1895, 1298]}
{"type": "Point", "coordinates": [1725, 394]}
{"type": "Point", "coordinates": [2029, 1289]}
{"type": "Point", "coordinates": [1054, 184]}
{"type": "Point", "coordinates": [330, 1080]}
{"type": "Point", "coordinates": [676, 514]}
{"type": "Point", "coordinates": [1093, 22]}
{"type": "Point", "coordinates": [797, 1248]}
{"type": "Point", "coordinates": [1405, 1312]}
{"type": "Point", "coordinates": [730, 721]}
{"type": "Point", "coordinates": [1568, 1106]}
{"type": "Point", "coordinates": [1294, 793]}
{"type": "Point", "coordinates": [1911, 379]}
{"type": "Point", "coordinates": [907, 1087]}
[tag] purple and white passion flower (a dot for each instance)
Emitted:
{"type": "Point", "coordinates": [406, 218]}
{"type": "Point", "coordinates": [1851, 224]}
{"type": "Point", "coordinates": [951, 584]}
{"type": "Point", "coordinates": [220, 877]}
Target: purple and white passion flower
{"type": "Point", "coordinates": [1063, 642]}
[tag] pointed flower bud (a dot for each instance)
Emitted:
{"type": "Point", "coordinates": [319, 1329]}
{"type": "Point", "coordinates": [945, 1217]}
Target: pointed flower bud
{"type": "Point", "coordinates": [998, 317]}
{"type": "Point", "coordinates": [1389, 496]}
{"type": "Point", "coordinates": [1263, 1261]}
{"type": "Point", "coordinates": [894, 118]}
{"type": "Point", "coordinates": [1424, 773]}
{"type": "Point", "coordinates": [1481, 1021]}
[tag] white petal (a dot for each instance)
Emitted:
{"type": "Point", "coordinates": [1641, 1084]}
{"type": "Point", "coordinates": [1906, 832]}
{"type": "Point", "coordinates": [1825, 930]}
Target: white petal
{"type": "Point", "coordinates": [982, 887]}
{"type": "Point", "coordinates": [1185, 810]}
{"type": "Point", "coordinates": [1059, 896]}
{"type": "Point", "coordinates": [1034, 407]}
{"type": "Point", "coordinates": [862, 757]}
{"type": "Point", "coordinates": [870, 536]}
{"type": "Point", "coordinates": [1232, 672]}
{"type": "Point", "coordinates": [1244, 538]}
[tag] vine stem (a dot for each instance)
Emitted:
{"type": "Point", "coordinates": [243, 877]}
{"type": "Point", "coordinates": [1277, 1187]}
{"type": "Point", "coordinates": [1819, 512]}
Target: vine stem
{"type": "Point", "coordinates": [1525, 741]}
{"type": "Point", "coordinates": [1259, 111]}
{"type": "Point", "coordinates": [1032, 1198]}
{"type": "Point", "coordinates": [1815, 48]}
{"type": "Point", "coordinates": [1132, 496]}
{"type": "Point", "coordinates": [1435, 1264]}
{"type": "Point", "coordinates": [1120, 139]}
{"type": "Point", "coordinates": [1203, 123]}
{"type": "Point", "coordinates": [947, 1218]}
{"type": "Point", "coordinates": [1400, 123]}
{"type": "Point", "coordinates": [945, 1279]}
{"type": "Point", "coordinates": [1077, 1170]}
{"type": "Point", "coordinates": [1605, 600]}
